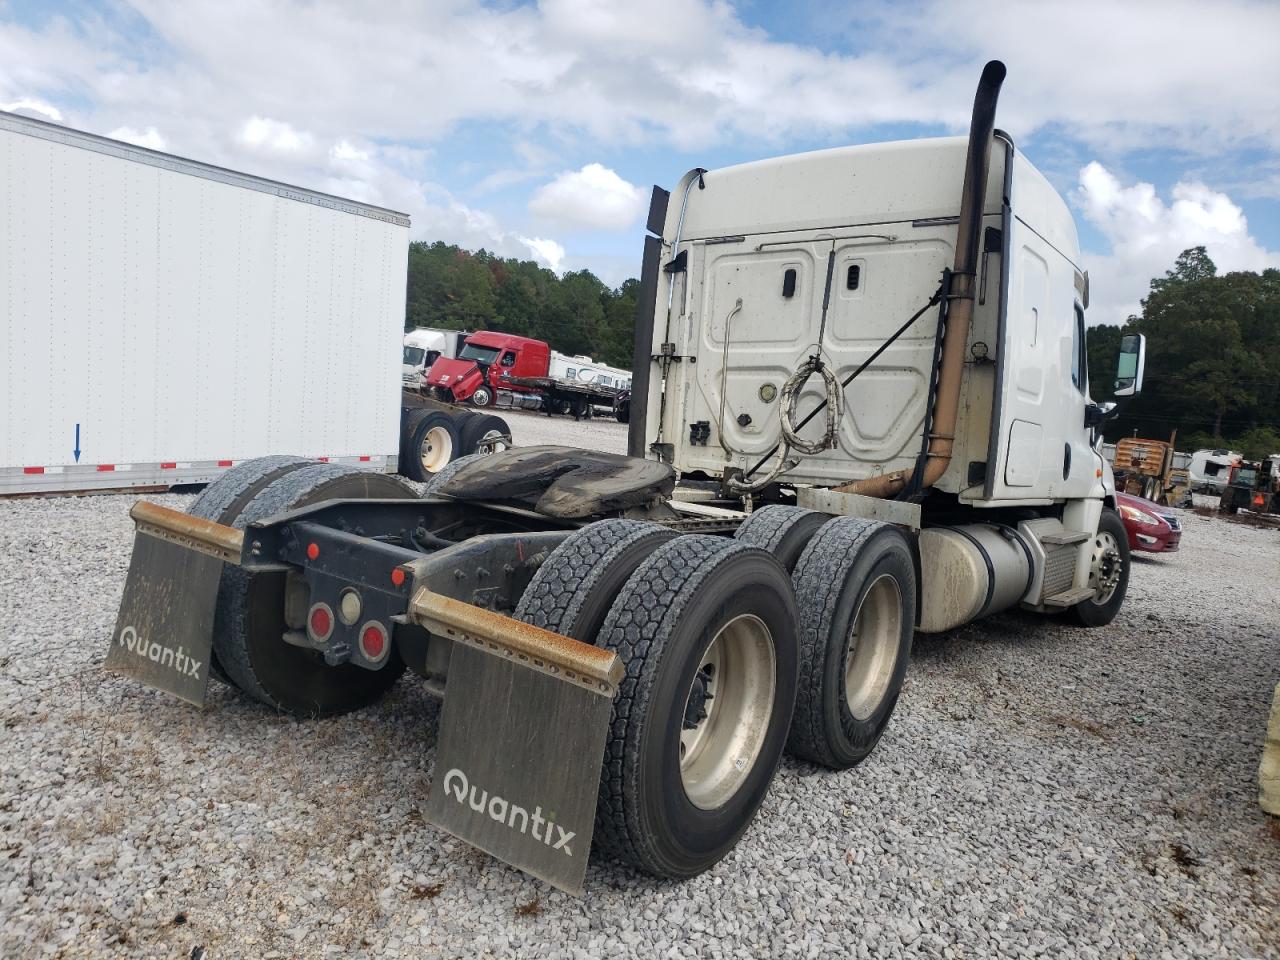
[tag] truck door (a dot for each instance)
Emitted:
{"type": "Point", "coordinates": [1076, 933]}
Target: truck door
{"type": "Point", "coordinates": [1041, 445]}
{"type": "Point", "coordinates": [1080, 461]}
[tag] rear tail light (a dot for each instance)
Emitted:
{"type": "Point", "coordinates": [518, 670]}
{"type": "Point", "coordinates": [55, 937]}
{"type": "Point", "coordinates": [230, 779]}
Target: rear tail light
{"type": "Point", "coordinates": [320, 622]}
{"type": "Point", "coordinates": [374, 643]}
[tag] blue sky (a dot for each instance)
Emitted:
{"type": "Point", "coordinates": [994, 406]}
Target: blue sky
{"type": "Point", "coordinates": [536, 129]}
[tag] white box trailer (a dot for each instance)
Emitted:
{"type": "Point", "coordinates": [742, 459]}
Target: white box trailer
{"type": "Point", "coordinates": [163, 319]}
{"type": "Point", "coordinates": [583, 369]}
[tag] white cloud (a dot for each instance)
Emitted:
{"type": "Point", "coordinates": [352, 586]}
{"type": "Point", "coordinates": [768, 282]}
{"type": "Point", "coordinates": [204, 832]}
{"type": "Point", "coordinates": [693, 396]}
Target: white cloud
{"type": "Point", "coordinates": [274, 135]}
{"type": "Point", "coordinates": [344, 152]}
{"type": "Point", "coordinates": [354, 98]}
{"type": "Point", "coordinates": [1146, 235]}
{"type": "Point", "coordinates": [149, 138]}
{"type": "Point", "coordinates": [1195, 73]}
{"type": "Point", "coordinates": [593, 197]}
{"type": "Point", "coordinates": [548, 252]}
{"type": "Point", "coordinates": [438, 215]}
{"type": "Point", "coordinates": [28, 107]}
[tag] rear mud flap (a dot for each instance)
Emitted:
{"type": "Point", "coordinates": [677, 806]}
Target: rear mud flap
{"type": "Point", "coordinates": [521, 743]}
{"type": "Point", "coordinates": [164, 631]}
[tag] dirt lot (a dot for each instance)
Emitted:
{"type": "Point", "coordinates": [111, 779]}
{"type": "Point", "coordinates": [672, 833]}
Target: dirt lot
{"type": "Point", "coordinates": [1043, 790]}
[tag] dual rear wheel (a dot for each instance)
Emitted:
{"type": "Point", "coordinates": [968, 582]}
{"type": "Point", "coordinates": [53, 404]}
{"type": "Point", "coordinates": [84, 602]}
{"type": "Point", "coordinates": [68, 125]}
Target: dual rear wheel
{"type": "Point", "coordinates": [723, 641]}
{"type": "Point", "coordinates": [432, 439]}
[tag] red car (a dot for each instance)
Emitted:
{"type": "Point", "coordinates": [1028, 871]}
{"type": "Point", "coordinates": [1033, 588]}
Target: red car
{"type": "Point", "coordinates": [1150, 526]}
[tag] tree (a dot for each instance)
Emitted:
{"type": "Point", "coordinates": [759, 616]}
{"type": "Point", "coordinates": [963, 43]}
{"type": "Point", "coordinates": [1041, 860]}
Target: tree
{"type": "Point", "coordinates": [1213, 354]}
{"type": "Point", "coordinates": [457, 289]}
{"type": "Point", "coordinates": [1102, 344]}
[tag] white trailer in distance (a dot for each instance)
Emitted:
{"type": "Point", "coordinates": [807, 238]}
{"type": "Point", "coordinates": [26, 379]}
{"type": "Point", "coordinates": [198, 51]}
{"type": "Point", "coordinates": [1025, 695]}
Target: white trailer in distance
{"type": "Point", "coordinates": [164, 319]}
{"type": "Point", "coordinates": [582, 369]}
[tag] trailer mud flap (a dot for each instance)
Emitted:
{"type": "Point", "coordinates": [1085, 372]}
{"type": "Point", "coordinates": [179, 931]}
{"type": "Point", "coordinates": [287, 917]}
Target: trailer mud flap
{"type": "Point", "coordinates": [522, 736]}
{"type": "Point", "coordinates": [164, 631]}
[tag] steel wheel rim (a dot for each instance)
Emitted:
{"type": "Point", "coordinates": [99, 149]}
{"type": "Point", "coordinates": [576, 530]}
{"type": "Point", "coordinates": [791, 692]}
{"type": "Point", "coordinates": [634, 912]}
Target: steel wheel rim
{"type": "Point", "coordinates": [719, 750]}
{"type": "Point", "coordinates": [872, 649]}
{"type": "Point", "coordinates": [480, 397]}
{"type": "Point", "coordinates": [492, 442]}
{"type": "Point", "coordinates": [436, 450]}
{"type": "Point", "coordinates": [1104, 571]}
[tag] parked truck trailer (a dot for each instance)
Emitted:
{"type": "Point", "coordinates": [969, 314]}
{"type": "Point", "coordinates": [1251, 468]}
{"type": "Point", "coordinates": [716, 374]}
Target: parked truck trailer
{"type": "Point", "coordinates": [165, 318]}
{"type": "Point", "coordinates": [861, 409]}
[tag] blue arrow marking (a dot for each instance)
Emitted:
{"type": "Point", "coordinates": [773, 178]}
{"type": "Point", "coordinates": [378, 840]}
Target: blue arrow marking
{"type": "Point", "coordinates": [77, 449]}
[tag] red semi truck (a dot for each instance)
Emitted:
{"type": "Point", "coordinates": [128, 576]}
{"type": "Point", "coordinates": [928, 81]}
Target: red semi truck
{"type": "Point", "coordinates": [510, 371]}
{"type": "Point", "coordinates": [483, 366]}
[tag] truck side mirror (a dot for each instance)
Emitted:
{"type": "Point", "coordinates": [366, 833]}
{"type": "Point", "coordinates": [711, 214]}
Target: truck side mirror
{"type": "Point", "coordinates": [1131, 365]}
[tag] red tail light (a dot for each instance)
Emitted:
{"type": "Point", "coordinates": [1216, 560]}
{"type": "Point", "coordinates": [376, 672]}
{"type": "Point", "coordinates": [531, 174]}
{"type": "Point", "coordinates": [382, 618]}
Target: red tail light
{"type": "Point", "coordinates": [373, 641]}
{"type": "Point", "coordinates": [320, 622]}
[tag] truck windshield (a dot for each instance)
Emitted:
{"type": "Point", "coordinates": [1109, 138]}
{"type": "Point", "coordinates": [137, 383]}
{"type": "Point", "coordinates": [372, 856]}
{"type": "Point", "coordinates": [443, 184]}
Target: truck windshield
{"type": "Point", "coordinates": [473, 351]}
{"type": "Point", "coordinates": [414, 356]}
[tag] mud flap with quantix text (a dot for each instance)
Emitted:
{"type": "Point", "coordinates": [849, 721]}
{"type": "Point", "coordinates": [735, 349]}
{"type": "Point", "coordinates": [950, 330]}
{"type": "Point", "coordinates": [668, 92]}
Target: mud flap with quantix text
{"type": "Point", "coordinates": [521, 742]}
{"type": "Point", "coordinates": [164, 631]}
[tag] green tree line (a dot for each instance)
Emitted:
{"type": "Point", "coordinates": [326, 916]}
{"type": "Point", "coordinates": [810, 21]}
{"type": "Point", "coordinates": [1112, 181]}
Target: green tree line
{"type": "Point", "coordinates": [1213, 359]}
{"type": "Point", "coordinates": [456, 289]}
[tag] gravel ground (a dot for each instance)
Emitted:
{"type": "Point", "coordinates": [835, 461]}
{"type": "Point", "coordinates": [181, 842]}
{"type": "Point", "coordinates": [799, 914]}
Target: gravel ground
{"type": "Point", "coordinates": [1042, 790]}
{"type": "Point", "coordinates": [600, 433]}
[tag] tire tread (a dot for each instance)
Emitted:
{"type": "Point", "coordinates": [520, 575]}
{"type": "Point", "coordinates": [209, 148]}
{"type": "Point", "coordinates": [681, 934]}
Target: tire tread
{"type": "Point", "coordinates": [557, 592]}
{"type": "Point", "coordinates": [819, 579]}
{"type": "Point", "coordinates": [638, 629]}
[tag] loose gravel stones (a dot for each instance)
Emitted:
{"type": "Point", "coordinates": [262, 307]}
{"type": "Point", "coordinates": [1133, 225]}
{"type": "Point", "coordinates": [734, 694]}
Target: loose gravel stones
{"type": "Point", "coordinates": [1041, 791]}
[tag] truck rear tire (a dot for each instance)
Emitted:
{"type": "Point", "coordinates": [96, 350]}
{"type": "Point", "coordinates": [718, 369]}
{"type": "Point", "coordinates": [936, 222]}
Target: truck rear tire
{"type": "Point", "coordinates": [433, 443]}
{"type": "Point", "coordinates": [782, 530]}
{"type": "Point", "coordinates": [438, 480]}
{"type": "Point", "coordinates": [572, 592]}
{"type": "Point", "coordinates": [706, 630]}
{"type": "Point", "coordinates": [485, 433]}
{"type": "Point", "coordinates": [1108, 573]}
{"type": "Point", "coordinates": [855, 588]}
{"type": "Point", "coordinates": [249, 617]}
{"type": "Point", "coordinates": [222, 500]}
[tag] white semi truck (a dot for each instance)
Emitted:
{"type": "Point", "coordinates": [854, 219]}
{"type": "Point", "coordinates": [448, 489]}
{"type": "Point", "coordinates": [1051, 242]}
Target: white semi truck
{"type": "Point", "coordinates": [164, 319]}
{"type": "Point", "coordinates": [861, 409]}
{"type": "Point", "coordinates": [423, 346]}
